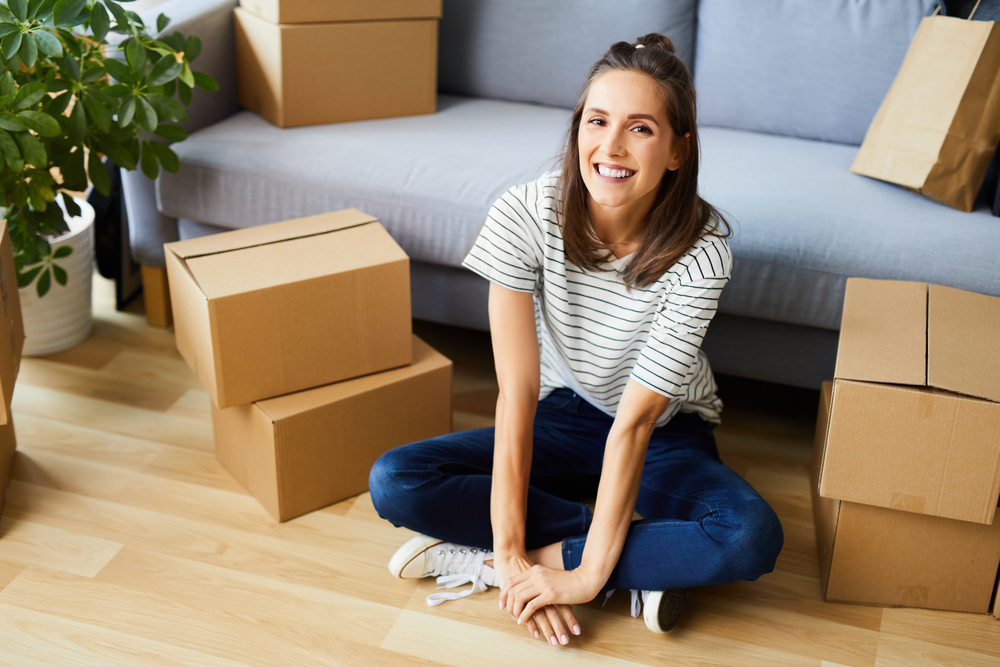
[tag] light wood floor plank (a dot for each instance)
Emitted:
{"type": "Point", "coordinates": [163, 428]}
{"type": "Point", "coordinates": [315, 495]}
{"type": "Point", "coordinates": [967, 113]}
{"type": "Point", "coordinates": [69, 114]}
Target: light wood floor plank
{"type": "Point", "coordinates": [55, 548]}
{"type": "Point", "coordinates": [95, 446]}
{"type": "Point", "coordinates": [69, 473]}
{"type": "Point", "coordinates": [9, 571]}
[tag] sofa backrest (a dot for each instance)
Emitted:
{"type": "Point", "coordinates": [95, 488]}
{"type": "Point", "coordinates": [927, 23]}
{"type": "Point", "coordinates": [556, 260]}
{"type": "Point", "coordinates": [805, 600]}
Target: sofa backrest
{"type": "Point", "coordinates": [816, 69]}
{"type": "Point", "coordinates": [541, 50]}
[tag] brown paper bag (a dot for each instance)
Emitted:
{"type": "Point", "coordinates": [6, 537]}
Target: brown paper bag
{"type": "Point", "coordinates": [939, 124]}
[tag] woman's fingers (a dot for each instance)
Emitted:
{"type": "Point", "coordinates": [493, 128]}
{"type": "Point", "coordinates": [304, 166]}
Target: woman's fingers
{"type": "Point", "coordinates": [567, 613]}
{"type": "Point", "coordinates": [558, 628]}
{"type": "Point", "coordinates": [533, 627]}
{"type": "Point", "coordinates": [546, 629]}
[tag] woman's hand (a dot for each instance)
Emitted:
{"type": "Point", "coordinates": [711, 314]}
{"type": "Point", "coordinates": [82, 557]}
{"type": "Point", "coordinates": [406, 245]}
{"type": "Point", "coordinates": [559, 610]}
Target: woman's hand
{"type": "Point", "coordinates": [554, 622]}
{"type": "Point", "coordinates": [525, 593]}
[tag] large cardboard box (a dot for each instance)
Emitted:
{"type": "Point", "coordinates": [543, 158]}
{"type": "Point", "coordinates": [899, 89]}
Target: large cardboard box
{"type": "Point", "coordinates": [996, 599]}
{"type": "Point", "coordinates": [303, 62]}
{"type": "Point", "coordinates": [279, 308]}
{"type": "Point", "coordinates": [304, 451]}
{"type": "Point", "coordinates": [873, 555]}
{"type": "Point", "coordinates": [7, 446]}
{"type": "Point", "coordinates": [11, 324]}
{"type": "Point", "coordinates": [915, 422]}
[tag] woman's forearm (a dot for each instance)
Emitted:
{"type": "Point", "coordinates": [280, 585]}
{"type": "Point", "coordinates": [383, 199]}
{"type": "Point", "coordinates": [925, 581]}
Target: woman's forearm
{"type": "Point", "coordinates": [511, 470]}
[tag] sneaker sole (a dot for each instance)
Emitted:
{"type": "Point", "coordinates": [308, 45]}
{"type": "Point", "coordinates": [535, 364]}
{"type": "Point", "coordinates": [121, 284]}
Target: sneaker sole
{"type": "Point", "coordinates": [408, 553]}
{"type": "Point", "coordinates": [662, 609]}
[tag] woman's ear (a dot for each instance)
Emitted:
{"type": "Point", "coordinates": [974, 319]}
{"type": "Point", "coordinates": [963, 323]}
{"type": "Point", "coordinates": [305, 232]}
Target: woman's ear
{"type": "Point", "coordinates": [681, 151]}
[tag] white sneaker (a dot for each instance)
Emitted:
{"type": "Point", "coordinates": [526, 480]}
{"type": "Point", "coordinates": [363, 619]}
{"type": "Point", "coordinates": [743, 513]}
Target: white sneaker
{"type": "Point", "coordinates": [452, 564]}
{"type": "Point", "coordinates": [660, 609]}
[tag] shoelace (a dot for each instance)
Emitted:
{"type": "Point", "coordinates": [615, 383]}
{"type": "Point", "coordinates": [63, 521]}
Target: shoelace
{"type": "Point", "coordinates": [638, 599]}
{"type": "Point", "coordinates": [456, 567]}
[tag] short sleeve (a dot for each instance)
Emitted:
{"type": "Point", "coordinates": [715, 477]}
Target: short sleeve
{"type": "Point", "coordinates": [508, 249]}
{"type": "Point", "coordinates": [668, 360]}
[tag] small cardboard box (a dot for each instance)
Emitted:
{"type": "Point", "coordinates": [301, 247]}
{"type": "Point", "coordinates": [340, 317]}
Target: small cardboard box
{"type": "Point", "coordinates": [302, 62]}
{"type": "Point", "coordinates": [11, 325]}
{"type": "Point", "coordinates": [304, 451]}
{"type": "Point", "coordinates": [8, 444]}
{"type": "Point", "coordinates": [915, 422]}
{"type": "Point", "coordinates": [878, 556]}
{"type": "Point", "coordinates": [279, 308]}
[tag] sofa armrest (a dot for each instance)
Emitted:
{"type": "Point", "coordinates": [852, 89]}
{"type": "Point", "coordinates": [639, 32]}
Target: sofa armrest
{"type": "Point", "coordinates": [212, 21]}
{"type": "Point", "coordinates": [148, 229]}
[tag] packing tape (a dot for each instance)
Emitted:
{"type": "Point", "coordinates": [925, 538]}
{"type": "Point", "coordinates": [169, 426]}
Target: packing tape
{"type": "Point", "coordinates": [908, 503]}
{"type": "Point", "coordinates": [912, 596]}
{"type": "Point", "coordinates": [925, 405]}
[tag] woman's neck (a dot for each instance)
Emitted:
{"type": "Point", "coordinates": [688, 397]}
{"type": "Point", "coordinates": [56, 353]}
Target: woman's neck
{"type": "Point", "coordinates": [620, 228]}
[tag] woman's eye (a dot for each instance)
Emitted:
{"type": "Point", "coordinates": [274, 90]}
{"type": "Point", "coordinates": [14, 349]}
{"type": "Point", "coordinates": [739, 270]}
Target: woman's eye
{"type": "Point", "coordinates": [642, 128]}
{"type": "Point", "coordinates": [596, 121]}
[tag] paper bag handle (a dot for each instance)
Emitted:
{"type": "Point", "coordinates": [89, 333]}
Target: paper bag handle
{"type": "Point", "coordinates": [937, 10]}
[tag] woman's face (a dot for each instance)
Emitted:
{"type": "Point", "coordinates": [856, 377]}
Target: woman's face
{"type": "Point", "coordinates": [626, 143]}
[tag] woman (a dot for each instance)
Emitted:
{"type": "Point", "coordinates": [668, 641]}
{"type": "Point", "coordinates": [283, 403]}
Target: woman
{"type": "Point", "coordinates": [604, 278]}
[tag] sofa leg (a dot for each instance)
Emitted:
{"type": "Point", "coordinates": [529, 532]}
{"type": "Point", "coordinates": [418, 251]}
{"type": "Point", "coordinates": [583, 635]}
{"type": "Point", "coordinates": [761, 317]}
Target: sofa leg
{"type": "Point", "coordinates": [156, 292]}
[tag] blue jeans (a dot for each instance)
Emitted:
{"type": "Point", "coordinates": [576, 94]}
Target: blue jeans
{"type": "Point", "coordinates": [702, 523]}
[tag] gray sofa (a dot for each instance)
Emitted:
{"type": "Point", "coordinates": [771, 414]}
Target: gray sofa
{"type": "Point", "coordinates": [786, 92]}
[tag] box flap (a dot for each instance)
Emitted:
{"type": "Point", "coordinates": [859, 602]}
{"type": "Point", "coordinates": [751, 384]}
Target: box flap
{"type": "Point", "coordinates": [425, 360]}
{"type": "Point", "coordinates": [239, 239]}
{"type": "Point", "coordinates": [311, 11]}
{"type": "Point", "coordinates": [295, 260]}
{"type": "Point", "coordinates": [883, 333]}
{"type": "Point", "coordinates": [963, 342]}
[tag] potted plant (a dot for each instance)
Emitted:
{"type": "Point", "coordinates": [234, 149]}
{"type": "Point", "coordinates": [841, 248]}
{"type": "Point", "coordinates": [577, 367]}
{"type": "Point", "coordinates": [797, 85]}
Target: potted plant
{"type": "Point", "coordinates": [68, 97]}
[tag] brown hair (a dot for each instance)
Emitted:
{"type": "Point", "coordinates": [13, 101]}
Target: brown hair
{"type": "Point", "coordinates": [679, 217]}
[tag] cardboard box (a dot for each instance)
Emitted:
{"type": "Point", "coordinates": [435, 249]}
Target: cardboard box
{"type": "Point", "coordinates": [11, 325]}
{"type": "Point", "coordinates": [8, 444]}
{"type": "Point", "coordinates": [329, 62]}
{"type": "Point", "coordinates": [878, 556]}
{"type": "Point", "coordinates": [915, 422]}
{"type": "Point", "coordinates": [279, 308]}
{"type": "Point", "coordinates": [304, 451]}
{"type": "Point", "coordinates": [996, 599]}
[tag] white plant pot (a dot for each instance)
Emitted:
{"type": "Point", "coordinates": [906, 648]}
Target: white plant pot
{"type": "Point", "coordinates": [63, 317]}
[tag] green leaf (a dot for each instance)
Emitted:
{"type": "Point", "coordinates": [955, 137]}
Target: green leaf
{"type": "Point", "coordinates": [98, 113]}
{"type": "Point", "coordinates": [135, 54]}
{"type": "Point", "coordinates": [40, 194]}
{"type": "Point", "coordinates": [187, 76]}
{"type": "Point", "coordinates": [19, 8]}
{"type": "Point", "coordinates": [121, 18]}
{"type": "Point", "coordinates": [73, 209]}
{"type": "Point", "coordinates": [162, 22]}
{"type": "Point", "coordinates": [24, 279]}
{"type": "Point", "coordinates": [117, 90]}
{"type": "Point", "coordinates": [167, 157]}
{"type": "Point", "coordinates": [9, 121]}
{"type": "Point", "coordinates": [42, 123]}
{"type": "Point", "coordinates": [7, 28]}
{"type": "Point", "coordinates": [5, 15]}
{"type": "Point", "coordinates": [29, 95]}
{"type": "Point", "coordinates": [98, 174]}
{"type": "Point", "coordinates": [126, 111]}
{"type": "Point", "coordinates": [119, 71]}
{"type": "Point", "coordinates": [146, 115]}
{"type": "Point", "coordinates": [73, 174]}
{"type": "Point", "coordinates": [172, 133]}
{"type": "Point", "coordinates": [66, 250]}
{"type": "Point", "coordinates": [33, 6]}
{"type": "Point", "coordinates": [95, 92]}
{"type": "Point", "coordinates": [10, 44]}
{"type": "Point", "coordinates": [71, 68]}
{"type": "Point", "coordinates": [28, 51]}
{"type": "Point", "coordinates": [166, 108]}
{"type": "Point", "coordinates": [192, 48]}
{"type": "Point", "coordinates": [174, 40]}
{"type": "Point", "coordinates": [149, 164]}
{"type": "Point", "coordinates": [32, 150]}
{"type": "Point", "coordinates": [59, 273]}
{"type": "Point", "coordinates": [66, 11]}
{"type": "Point", "coordinates": [205, 82]}
{"type": "Point", "coordinates": [48, 43]}
{"type": "Point", "coordinates": [166, 69]}
{"type": "Point", "coordinates": [184, 92]}
{"type": "Point", "coordinates": [92, 74]}
{"type": "Point", "coordinates": [77, 124]}
{"type": "Point", "coordinates": [44, 283]}
{"type": "Point", "coordinates": [100, 22]}
{"type": "Point", "coordinates": [60, 103]}
{"type": "Point", "coordinates": [7, 87]}
{"type": "Point", "coordinates": [169, 88]}
{"type": "Point", "coordinates": [8, 146]}
{"type": "Point", "coordinates": [118, 154]}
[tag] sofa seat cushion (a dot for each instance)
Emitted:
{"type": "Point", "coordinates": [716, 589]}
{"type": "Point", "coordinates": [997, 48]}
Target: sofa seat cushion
{"type": "Point", "coordinates": [804, 224]}
{"type": "Point", "coordinates": [429, 179]}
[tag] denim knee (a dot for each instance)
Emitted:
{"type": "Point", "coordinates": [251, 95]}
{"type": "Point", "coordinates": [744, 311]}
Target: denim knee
{"type": "Point", "coordinates": [758, 540]}
{"type": "Point", "coordinates": [384, 483]}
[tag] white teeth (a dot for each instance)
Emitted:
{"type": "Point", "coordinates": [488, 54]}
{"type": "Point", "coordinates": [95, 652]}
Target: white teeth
{"type": "Point", "coordinates": [613, 173]}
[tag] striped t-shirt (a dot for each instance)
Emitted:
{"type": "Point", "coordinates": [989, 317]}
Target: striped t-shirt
{"type": "Point", "coordinates": [594, 335]}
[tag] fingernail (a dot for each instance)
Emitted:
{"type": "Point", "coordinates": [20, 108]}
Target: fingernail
{"type": "Point", "coordinates": [536, 634]}
{"type": "Point", "coordinates": [501, 604]}
{"type": "Point", "coordinates": [564, 639]}
{"type": "Point", "coordinates": [576, 629]}
{"type": "Point", "coordinates": [519, 621]}
{"type": "Point", "coordinates": [552, 640]}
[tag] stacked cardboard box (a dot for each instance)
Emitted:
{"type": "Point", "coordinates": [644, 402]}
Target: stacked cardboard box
{"type": "Point", "coordinates": [309, 62]}
{"type": "Point", "coordinates": [300, 332]}
{"type": "Point", "coordinates": [11, 345]}
{"type": "Point", "coordinates": [906, 474]}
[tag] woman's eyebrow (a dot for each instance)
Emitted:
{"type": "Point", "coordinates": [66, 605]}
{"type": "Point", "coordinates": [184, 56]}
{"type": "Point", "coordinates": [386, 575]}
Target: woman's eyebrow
{"type": "Point", "coordinates": [644, 116]}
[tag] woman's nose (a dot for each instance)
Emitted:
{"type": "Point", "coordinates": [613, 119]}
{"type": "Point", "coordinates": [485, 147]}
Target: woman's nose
{"type": "Point", "coordinates": [614, 144]}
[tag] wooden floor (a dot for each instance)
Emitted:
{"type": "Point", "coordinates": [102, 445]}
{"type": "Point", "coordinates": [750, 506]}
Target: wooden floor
{"type": "Point", "coordinates": [124, 543]}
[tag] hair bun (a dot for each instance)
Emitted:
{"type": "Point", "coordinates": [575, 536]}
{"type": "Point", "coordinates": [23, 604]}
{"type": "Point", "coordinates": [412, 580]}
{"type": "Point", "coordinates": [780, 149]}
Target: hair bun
{"type": "Point", "coordinates": [655, 39]}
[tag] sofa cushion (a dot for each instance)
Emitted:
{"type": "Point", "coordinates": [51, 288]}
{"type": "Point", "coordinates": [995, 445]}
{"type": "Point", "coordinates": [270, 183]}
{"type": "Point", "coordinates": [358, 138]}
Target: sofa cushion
{"type": "Point", "coordinates": [429, 179]}
{"type": "Point", "coordinates": [804, 224]}
{"type": "Point", "coordinates": [817, 70]}
{"type": "Point", "coordinates": [531, 51]}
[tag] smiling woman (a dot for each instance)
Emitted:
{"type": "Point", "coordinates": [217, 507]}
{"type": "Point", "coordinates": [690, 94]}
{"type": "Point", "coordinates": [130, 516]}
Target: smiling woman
{"type": "Point", "coordinates": [604, 279]}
